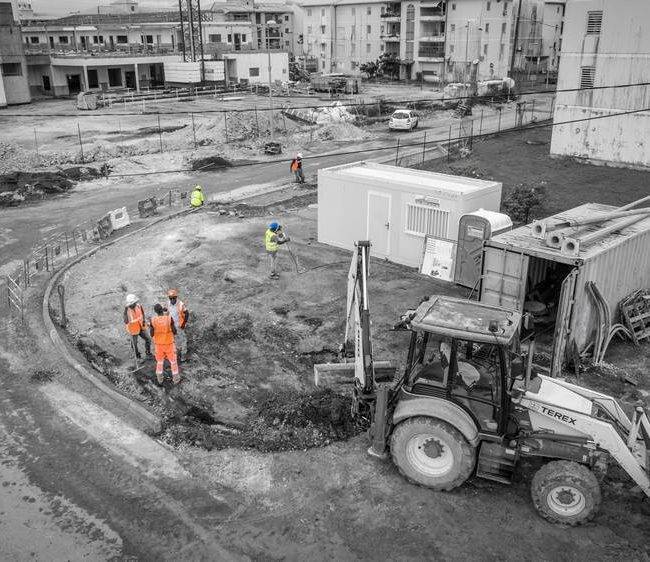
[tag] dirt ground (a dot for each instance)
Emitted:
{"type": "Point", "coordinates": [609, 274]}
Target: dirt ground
{"type": "Point", "coordinates": [523, 157]}
{"type": "Point", "coordinates": [247, 416]}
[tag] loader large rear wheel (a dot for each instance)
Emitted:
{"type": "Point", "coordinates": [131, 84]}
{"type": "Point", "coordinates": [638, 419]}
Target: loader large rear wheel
{"type": "Point", "coordinates": [432, 453]}
{"type": "Point", "coordinates": [565, 492]}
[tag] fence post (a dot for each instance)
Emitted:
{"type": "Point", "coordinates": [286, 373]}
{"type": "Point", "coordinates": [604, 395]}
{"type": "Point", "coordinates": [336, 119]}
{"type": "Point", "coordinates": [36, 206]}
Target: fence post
{"type": "Point", "coordinates": [499, 127]}
{"type": "Point", "coordinates": [397, 153]}
{"type": "Point", "coordinates": [424, 146]}
{"type": "Point", "coordinates": [225, 123]}
{"type": "Point", "coordinates": [480, 126]}
{"type": "Point", "coordinates": [67, 245]}
{"type": "Point", "coordinates": [38, 156]}
{"type": "Point", "coordinates": [47, 259]}
{"type": "Point", "coordinates": [449, 145]}
{"type": "Point", "coordinates": [193, 130]}
{"type": "Point", "coordinates": [74, 241]}
{"type": "Point", "coordinates": [257, 122]}
{"type": "Point", "coordinates": [284, 118]}
{"type": "Point", "coordinates": [532, 111]}
{"type": "Point", "coordinates": [471, 135]}
{"type": "Point", "coordinates": [61, 290]}
{"type": "Point", "coordinates": [159, 133]}
{"type": "Point", "coordinates": [81, 145]}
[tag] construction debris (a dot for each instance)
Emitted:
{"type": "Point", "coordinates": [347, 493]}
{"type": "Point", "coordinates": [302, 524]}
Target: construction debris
{"type": "Point", "coordinates": [635, 310]}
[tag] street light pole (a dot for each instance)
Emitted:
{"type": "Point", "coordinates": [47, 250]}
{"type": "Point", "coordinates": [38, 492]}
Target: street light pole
{"type": "Point", "coordinates": [269, 25]}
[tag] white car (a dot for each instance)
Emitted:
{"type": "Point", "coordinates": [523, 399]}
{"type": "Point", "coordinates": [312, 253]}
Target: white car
{"type": "Point", "coordinates": [403, 120]}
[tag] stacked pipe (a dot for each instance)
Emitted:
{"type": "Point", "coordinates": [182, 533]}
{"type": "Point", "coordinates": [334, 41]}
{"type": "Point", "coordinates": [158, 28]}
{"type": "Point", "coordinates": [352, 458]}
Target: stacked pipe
{"type": "Point", "coordinates": [551, 232]}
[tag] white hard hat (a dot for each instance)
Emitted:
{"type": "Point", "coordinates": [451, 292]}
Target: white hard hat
{"type": "Point", "coordinates": [131, 299]}
{"type": "Point", "coordinates": [299, 155]}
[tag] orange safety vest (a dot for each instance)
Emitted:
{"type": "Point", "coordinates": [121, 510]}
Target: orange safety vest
{"type": "Point", "coordinates": [136, 319]}
{"type": "Point", "coordinates": [182, 313]}
{"type": "Point", "coordinates": [162, 330]}
{"type": "Point", "coordinates": [295, 165]}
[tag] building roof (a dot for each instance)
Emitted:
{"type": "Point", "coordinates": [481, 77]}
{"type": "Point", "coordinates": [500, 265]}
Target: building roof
{"type": "Point", "coordinates": [98, 19]}
{"type": "Point", "coordinates": [309, 3]}
{"type": "Point", "coordinates": [522, 240]}
{"type": "Point", "coordinates": [395, 177]}
{"type": "Point", "coordinates": [465, 319]}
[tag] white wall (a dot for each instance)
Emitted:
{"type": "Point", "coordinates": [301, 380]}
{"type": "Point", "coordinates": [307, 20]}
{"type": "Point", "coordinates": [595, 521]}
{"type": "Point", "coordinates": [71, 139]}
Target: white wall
{"type": "Point", "coordinates": [244, 62]}
{"type": "Point", "coordinates": [620, 54]}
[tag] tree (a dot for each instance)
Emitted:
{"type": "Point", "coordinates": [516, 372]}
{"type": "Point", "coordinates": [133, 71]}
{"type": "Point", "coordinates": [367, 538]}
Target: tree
{"type": "Point", "coordinates": [520, 201]}
{"type": "Point", "coordinates": [371, 69]}
{"type": "Point", "coordinates": [388, 64]}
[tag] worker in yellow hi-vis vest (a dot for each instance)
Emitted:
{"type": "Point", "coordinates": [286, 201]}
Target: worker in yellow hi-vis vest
{"type": "Point", "coordinates": [196, 198]}
{"type": "Point", "coordinates": [272, 240]}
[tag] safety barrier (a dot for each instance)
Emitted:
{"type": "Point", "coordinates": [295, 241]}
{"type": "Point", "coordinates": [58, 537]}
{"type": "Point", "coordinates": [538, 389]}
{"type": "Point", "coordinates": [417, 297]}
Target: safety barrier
{"type": "Point", "coordinates": [50, 254]}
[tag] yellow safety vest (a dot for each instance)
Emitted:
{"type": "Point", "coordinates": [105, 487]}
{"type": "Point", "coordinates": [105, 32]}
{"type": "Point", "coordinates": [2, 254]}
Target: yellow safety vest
{"type": "Point", "coordinates": [270, 243]}
{"type": "Point", "coordinates": [197, 198]}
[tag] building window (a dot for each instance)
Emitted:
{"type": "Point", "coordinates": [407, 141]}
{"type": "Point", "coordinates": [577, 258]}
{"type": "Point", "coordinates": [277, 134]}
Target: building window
{"type": "Point", "coordinates": [422, 220]}
{"type": "Point", "coordinates": [63, 39]}
{"type": "Point", "coordinates": [322, 29]}
{"type": "Point", "coordinates": [34, 40]}
{"type": "Point", "coordinates": [505, 8]}
{"type": "Point", "coordinates": [322, 12]}
{"type": "Point", "coordinates": [214, 38]}
{"type": "Point", "coordinates": [488, 7]}
{"type": "Point", "coordinates": [368, 47]}
{"type": "Point", "coordinates": [230, 38]}
{"type": "Point", "coordinates": [587, 75]}
{"type": "Point", "coordinates": [504, 27]}
{"type": "Point", "coordinates": [122, 39]}
{"type": "Point", "coordinates": [243, 38]}
{"type": "Point", "coordinates": [114, 77]}
{"type": "Point", "coordinates": [354, 11]}
{"type": "Point", "coordinates": [368, 29]}
{"type": "Point", "coordinates": [95, 39]}
{"type": "Point", "coordinates": [286, 18]}
{"type": "Point", "coordinates": [309, 30]}
{"type": "Point", "coordinates": [149, 39]}
{"type": "Point", "coordinates": [453, 6]}
{"type": "Point", "coordinates": [594, 22]}
{"type": "Point", "coordinates": [93, 79]}
{"type": "Point", "coordinates": [487, 28]}
{"type": "Point", "coordinates": [12, 69]}
{"type": "Point", "coordinates": [309, 12]}
{"type": "Point", "coordinates": [381, 47]}
{"type": "Point", "coordinates": [369, 11]}
{"type": "Point", "coordinates": [485, 47]}
{"type": "Point", "coordinates": [452, 28]}
{"type": "Point", "coordinates": [286, 31]}
{"type": "Point", "coordinates": [253, 71]}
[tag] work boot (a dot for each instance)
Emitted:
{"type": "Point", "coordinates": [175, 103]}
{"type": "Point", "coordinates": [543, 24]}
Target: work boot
{"type": "Point", "coordinates": [138, 355]}
{"type": "Point", "coordinates": [176, 379]}
{"type": "Point", "coordinates": [160, 378]}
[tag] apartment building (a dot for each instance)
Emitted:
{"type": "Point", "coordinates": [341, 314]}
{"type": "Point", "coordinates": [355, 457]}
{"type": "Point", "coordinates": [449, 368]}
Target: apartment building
{"type": "Point", "coordinates": [604, 44]}
{"type": "Point", "coordinates": [14, 88]}
{"type": "Point", "coordinates": [342, 34]}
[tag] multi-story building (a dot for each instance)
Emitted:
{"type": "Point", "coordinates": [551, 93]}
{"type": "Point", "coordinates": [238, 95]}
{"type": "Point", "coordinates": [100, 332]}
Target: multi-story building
{"type": "Point", "coordinates": [13, 67]}
{"type": "Point", "coordinates": [604, 44]}
{"type": "Point", "coordinates": [119, 7]}
{"type": "Point", "coordinates": [342, 34]}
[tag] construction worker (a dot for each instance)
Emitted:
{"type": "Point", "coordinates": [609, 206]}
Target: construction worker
{"type": "Point", "coordinates": [296, 168]}
{"type": "Point", "coordinates": [135, 322]}
{"type": "Point", "coordinates": [163, 330]}
{"type": "Point", "coordinates": [272, 240]}
{"type": "Point", "coordinates": [196, 197]}
{"type": "Point", "coordinates": [180, 315]}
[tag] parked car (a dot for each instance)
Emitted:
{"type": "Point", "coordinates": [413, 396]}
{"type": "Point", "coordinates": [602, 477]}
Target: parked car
{"type": "Point", "coordinates": [403, 120]}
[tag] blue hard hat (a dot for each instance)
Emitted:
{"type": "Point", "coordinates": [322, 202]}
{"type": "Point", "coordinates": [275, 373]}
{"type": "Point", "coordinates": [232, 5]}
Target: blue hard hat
{"type": "Point", "coordinates": [274, 226]}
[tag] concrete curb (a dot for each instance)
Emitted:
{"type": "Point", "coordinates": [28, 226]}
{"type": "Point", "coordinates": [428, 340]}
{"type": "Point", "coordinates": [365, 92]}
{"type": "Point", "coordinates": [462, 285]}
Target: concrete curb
{"type": "Point", "coordinates": [149, 420]}
{"type": "Point", "coordinates": [248, 191]}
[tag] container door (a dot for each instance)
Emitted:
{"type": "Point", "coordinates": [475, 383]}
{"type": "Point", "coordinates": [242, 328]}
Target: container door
{"type": "Point", "coordinates": [379, 223]}
{"type": "Point", "coordinates": [471, 233]}
{"type": "Point", "coordinates": [563, 322]}
{"type": "Point", "coordinates": [503, 282]}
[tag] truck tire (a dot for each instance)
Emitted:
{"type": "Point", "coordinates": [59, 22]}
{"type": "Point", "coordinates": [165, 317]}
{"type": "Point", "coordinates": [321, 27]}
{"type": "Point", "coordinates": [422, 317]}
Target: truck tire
{"type": "Point", "coordinates": [565, 492]}
{"type": "Point", "coordinates": [432, 453]}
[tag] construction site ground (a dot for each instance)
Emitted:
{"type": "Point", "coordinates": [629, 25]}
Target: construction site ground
{"type": "Point", "coordinates": [247, 418]}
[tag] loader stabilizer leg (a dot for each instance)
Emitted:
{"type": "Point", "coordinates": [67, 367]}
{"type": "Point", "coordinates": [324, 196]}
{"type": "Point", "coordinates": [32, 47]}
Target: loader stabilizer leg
{"type": "Point", "coordinates": [379, 425]}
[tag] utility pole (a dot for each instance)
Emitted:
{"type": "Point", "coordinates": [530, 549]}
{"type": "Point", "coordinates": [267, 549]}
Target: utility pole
{"type": "Point", "coordinates": [516, 39]}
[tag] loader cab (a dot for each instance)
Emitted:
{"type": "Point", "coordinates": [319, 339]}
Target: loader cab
{"type": "Point", "coordinates": [467, 353]}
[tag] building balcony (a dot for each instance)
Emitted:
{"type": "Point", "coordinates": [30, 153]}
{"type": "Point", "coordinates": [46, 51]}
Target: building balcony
{"type": "Point", "coordinates": [431, 54]}
{"type": "Point", "coordinates": [128, 50]}
{"type": "Point", "coordinates": [392, 37]}
{"type": "Point", "coordinates": [431, 17]}
{"type": "Point", "coordinates": [432, 38]}
{"type": "Point", "coordinates": [391, 16]}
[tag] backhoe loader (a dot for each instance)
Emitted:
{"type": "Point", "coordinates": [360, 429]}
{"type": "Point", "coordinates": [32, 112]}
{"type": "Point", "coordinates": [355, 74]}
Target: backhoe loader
{"type": "Point", "coordinates": [468, 403]}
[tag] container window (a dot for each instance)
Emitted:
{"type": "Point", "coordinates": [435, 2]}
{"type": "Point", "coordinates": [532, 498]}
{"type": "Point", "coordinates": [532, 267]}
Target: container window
{"type": "Point", "coordinates": [594, 21]}
{"type": "Point", "coordinates": [587, 75]}
{"type": "Point", "coordinates": [422, 220]}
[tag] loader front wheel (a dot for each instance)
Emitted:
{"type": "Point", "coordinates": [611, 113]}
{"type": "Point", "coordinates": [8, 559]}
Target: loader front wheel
{"type": "Point", "coordinates": [432, 453]}
{"type": "Point", "coordinates": [565, 492]}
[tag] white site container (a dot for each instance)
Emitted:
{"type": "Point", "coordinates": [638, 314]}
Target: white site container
{"type": "Point", "coordinates": [396, 207]}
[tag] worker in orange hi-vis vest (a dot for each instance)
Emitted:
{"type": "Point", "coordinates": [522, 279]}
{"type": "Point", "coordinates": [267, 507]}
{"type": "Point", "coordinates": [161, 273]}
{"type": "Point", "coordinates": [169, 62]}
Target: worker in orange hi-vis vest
{"type": "Point", "coordinates": [163, 329]}
{"type": "Point", "coordinates": [136, 324]}
{"type": "Point", "coordinates": [179, 313]}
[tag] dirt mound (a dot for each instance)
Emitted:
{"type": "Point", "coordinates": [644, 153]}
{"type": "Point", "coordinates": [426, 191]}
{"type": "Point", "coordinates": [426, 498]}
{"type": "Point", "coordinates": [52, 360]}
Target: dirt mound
{"type": "Point", "coordinates": [342, 132]}
{"type": "Point", "coordinates": [210, 163]}
{"type": "Point", "coordinates": [279, 421]}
